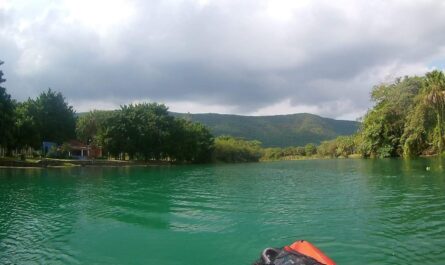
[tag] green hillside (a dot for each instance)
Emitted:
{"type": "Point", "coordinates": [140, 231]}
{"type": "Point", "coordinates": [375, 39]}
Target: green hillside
{"type": "Point", "coordinates": [274, 131]}
{"type": "Point", "coordinates": [279, 130]}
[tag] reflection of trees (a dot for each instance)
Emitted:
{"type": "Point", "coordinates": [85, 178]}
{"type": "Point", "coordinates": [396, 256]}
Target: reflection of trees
{"type": "Point", "coordinates": [132, 195]}
{"type": "Point", "coordinates": [42, 210]}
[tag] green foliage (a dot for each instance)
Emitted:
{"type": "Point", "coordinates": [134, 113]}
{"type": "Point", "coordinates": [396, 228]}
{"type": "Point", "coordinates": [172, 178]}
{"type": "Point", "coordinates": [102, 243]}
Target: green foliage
{"type": "Point", "coordinates": [425, 125]}
{"type": "Point", "coordinates": [148, 131]}
{"type": "Point", "coordinates": [27, 124]}
{"type": "Point", "coordinates": [384, 125]}
{"type": "Point", "coordinates": [273, 153]}
{"type": "Point", "coordinates": [433, 95]}
{"type": "Point", "coordinates": [190, 141]}
{"type": "Point", "coordinates": [59, 152]}
{"type": "Point", "coordinates": [53, 152]}
{"type": "Point", "coordinates": [47, 118]}
{"type": "Point", "coordinates": [327, 149]}
{"type": "Point", "coordinates": [408, 118]}
{"type": "Point", "coordinates": [26, 132]}
{"type": "Point", "coordinates": [6, 115]}
{"type": "Point", "coordinates": [140, 130]}
{"type": "Point", "coordinates": [415, 137]}
{"type": "Point", "coordinates": [90, 126]}
{"type": "Point", "coordinates": [55, 118]}
{"type": "Point", "coordinates": [276, 131]}
{"type": "Point", "coordinates": [288, 153]}
{"type": "Point", "coordinates": [310, 149]}
{"type": "Point", "coordinates": [342, 146]}
{"type": "Point", "coordinates": [232, 150]}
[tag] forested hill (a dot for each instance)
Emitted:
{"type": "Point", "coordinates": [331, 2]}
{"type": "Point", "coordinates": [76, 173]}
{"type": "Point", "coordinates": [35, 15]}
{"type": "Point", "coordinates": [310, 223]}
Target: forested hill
{"type": "Point", "coordinates": [280, 130]}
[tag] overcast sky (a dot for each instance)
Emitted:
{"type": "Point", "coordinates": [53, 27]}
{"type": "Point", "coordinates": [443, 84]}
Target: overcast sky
{"type": "Point", "coordinates": [252, 57]}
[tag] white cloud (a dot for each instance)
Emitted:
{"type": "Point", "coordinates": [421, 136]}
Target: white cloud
{"type": "Point", "coordinates": [195, 107]}
{"type": "Point", "coordinates": [285, 107]}
{"type": "Point", "coordinates": [102, 16]}
{"type": "Point", "coordinates": [245, 57]}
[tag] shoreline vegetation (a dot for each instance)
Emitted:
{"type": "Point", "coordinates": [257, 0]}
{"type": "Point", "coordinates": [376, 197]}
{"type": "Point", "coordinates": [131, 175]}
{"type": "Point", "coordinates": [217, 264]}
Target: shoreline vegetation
{"type": "Point", "coordinates": [407, 120]}
{"type": "Point", "coordinates": [71, 163]}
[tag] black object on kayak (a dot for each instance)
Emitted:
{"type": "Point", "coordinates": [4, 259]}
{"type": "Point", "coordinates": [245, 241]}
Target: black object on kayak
{"type": "Point", "coordinates": [299, 253]}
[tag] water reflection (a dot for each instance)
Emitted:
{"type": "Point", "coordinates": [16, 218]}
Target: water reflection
{"type": "Point", "coordinates": [372, 211]}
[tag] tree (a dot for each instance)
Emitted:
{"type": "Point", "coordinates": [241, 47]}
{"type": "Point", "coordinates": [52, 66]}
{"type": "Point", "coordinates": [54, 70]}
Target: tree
{"type": "Point", "coordinates": [150, 127]}
{"type": "Point", "coordinates": [6, 114]}
{"type": "Point", "coordinates": [310, 149]}
{"type": "Point", "coordinates": [424, 129]}
{"type": "Point", "coordinates": [114, 138]}
{"type": "Point", "coordinates": [148, 131]}
{"type": "Point", "coordinates": [327, 149]}
{"type": "Point", "coordinates": [384, 125]}
{"type": "Point", "coordinates": [416, 137]}
{"type": "Point", "coordinates": [192, 142]}
{"type": "Point", "coordinates": [26, 133]}
{"type": "Point", "coordinates": [140, 130]}
{"type": "Point", "coordinates": [90, 127]}
{"type": "Point", "coordinates": [229, 149]}
{"type": "Point", "coordinates": [55, 119]}
{"type": "Point", "coordinates": [433, 93]}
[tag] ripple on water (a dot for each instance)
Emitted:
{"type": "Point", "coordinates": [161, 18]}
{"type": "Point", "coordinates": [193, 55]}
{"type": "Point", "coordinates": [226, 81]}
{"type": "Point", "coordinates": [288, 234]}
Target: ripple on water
{"type": "Point", "coordinates": [358, 211]}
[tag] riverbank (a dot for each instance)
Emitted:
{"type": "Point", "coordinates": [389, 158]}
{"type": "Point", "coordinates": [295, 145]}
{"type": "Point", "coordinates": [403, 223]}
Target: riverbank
{"type": "Point", "coordinates": [312, 157]}
{"type": "Point", "coordinates": [69, 163]}
{"type": "Point", "coordinates": [66, 163]}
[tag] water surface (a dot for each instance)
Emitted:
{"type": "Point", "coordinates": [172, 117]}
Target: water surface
{"type": "Point", "coordinates": [357, 211]}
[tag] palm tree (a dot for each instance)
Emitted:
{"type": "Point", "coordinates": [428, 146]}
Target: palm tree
{"type": "Point", "coordinates": [434, 96]}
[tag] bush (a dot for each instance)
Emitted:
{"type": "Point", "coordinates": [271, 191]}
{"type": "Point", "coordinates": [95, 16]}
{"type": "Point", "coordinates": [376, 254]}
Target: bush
{"type": "Point", "coordinates": [232, 150]}
{"type": "Point", "coordinates": [56, 152]}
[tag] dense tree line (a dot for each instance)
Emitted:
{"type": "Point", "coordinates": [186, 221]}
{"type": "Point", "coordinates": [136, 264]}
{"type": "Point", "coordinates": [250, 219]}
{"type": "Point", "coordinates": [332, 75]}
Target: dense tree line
{"type": "Point", "coordinates": [29, 123]}
{"type": "Point", "coordinates": [289, 153]}
{"type": "Point", "coordinates": [25, 125]}
{"type": "Point", "coordinates": [230, 150]}
{"type": "Point", "coordinates": [342, 146]}
{"type": "Point", "coordinates": [146, 132]}
{"type": "Point", "coordinates": [6, 114]}
{"type": "Point", "coordinates": [46, 118]}
{"type": "Point", "coordinates": [407, 120]}
{"type": "Point", "coordinates": [141, 131]}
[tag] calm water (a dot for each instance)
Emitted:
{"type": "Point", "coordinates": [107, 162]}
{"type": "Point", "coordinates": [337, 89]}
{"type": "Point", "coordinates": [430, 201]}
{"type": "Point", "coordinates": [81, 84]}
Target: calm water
{"type": "Point", "coordinates": [357, 211]}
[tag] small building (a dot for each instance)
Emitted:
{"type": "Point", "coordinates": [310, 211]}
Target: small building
{"type": "Point", "coordinates": [79, 150]}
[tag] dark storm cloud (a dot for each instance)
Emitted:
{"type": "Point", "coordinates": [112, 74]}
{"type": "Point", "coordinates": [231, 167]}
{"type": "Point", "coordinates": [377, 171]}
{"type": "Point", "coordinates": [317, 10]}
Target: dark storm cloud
{"type": "Point", "coordinates": [246, 55]}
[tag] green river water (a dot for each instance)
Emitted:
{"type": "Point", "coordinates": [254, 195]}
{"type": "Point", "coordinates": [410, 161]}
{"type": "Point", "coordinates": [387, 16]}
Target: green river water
{"type": "Point", "coordinates": [356, 211]}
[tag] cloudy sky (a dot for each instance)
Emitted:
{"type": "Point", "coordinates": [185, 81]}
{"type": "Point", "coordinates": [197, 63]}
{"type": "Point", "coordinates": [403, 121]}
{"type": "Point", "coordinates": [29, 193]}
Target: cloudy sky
{"type": "Point", "coordinates": [251, 57]}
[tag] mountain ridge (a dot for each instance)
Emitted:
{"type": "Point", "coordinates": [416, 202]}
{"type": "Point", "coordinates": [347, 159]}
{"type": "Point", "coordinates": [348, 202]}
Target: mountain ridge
{"type": "Point", "coordinates": [275, 130]}
{"type": "Point", "coordinates": [281, 130]}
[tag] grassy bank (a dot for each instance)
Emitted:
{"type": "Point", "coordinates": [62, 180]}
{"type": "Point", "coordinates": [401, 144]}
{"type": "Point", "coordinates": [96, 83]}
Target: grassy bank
{"type": "Point", "coordinates": [10, 162]}
{"type": "Point", "coordinates": [312, 157]}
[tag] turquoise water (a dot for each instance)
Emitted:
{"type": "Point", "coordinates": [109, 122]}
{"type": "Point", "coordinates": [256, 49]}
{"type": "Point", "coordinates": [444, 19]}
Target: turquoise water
{"type": "Point", "coordinates": [357, 211]}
